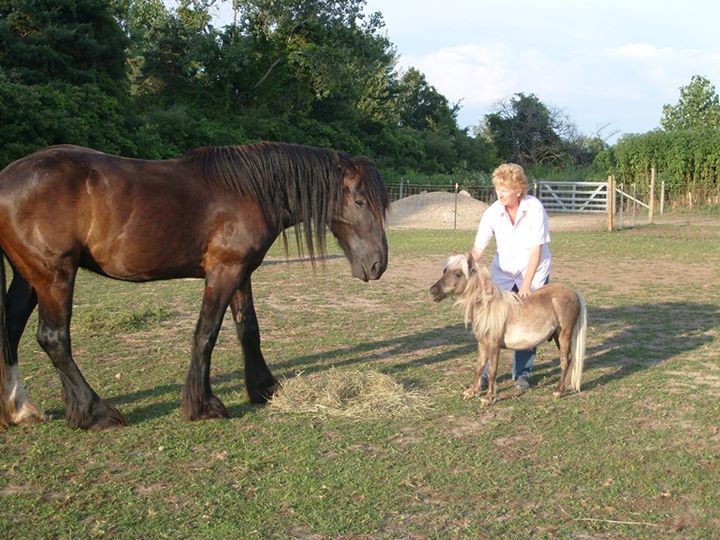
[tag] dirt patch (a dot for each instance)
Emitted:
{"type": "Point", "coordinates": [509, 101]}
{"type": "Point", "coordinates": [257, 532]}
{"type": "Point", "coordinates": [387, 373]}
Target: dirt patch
{"type": "Point", "coordinates": [461, 427]}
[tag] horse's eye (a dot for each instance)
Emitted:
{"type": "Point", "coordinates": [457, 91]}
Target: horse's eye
{"type": "Point", "coordinates": [458, 274]}
{"type": "Point", "coordinates": [359, 203]}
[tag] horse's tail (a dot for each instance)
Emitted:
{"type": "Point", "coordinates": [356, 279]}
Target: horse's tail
{"type": "Point", "coordinates": [5, 418]}
{"type": "Point", "coordinates": [579, 338]}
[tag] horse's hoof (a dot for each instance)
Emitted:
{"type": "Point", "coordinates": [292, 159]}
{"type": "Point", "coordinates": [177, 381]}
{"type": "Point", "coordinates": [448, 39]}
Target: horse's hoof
{"type": "Point", "coordinates": [260, 394]}
{"type": "Point", "coordinates": [208, 410]}
{"type": "Point", "coordinates": [113, 420]}
{"type": "Point", "coordinates": [487, 401]}
{"type": "Point", "coordinates": [557, 394]}
{"type": "Point", "coordinates": [468, 394]}
{"type": "Point", "coordinates": [101, 417]}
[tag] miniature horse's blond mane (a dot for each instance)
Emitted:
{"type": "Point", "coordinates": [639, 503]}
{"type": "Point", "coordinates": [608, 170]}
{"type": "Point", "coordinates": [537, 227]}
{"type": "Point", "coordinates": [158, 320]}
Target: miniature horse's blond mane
{"type": "Point", "coordinates": [484, 305]}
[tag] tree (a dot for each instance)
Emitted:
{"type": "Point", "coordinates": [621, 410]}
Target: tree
{"type": "Point", "coordinates": [62, 77]}
{"type": "Point", "coordinates": [526, 131]}
{"type": "Point", "coordinates": [297, 54]}
{"type": "Point", "coordinates": [421, 106]}
{"type": "Point", "coordinates": [73, 41]}
{"type": "Point", "coordinates": [697, 108]}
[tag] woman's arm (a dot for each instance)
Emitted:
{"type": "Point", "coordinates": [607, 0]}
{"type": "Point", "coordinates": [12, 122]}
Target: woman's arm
{"type": "Point", "coordinates": [532, 266]}
{"type": "Point", "coordinates": [476, 253]}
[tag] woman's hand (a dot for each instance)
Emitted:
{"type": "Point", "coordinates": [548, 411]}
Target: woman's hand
{"type": "Point", "coordinates": [524, 291]}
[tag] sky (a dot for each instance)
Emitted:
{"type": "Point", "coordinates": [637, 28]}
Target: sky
{"type": "Point", "coordinates": [609, 65]}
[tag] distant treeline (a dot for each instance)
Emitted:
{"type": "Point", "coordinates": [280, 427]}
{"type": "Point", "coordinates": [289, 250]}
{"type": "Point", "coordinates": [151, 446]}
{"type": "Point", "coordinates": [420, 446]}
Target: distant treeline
{"type": "Point", "coordinates": [133, 77]}
{"type": "Point", "coordinates": [688, 161]}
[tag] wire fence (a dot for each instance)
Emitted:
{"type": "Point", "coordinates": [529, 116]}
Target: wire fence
{"type": "Point", "coordinates": [400, 190]}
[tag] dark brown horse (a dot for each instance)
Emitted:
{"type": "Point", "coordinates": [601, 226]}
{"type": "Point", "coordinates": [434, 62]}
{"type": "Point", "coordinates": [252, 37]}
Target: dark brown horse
{"type": "Point", "coordinates": [211, 214]}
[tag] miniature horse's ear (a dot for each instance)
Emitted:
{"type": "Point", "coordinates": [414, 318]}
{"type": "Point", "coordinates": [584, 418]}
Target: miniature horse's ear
{"type": "Point", "coordinates": [471, 264]}
{"type": "Point", "coordinates": [485, 280]}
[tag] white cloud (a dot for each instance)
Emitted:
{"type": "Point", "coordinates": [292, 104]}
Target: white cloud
{"type": "Point", "coordinates": [594, 86]}
{"type": "Point", "coordinates": [472, 73]}
{"type": "Point", "coordinates": [637, 51]}
{"type": "Point", "coordinates": [483, 74]}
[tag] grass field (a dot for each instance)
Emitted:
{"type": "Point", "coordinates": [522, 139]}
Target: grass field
{"type": "Point", "coordinates": [635, 455]}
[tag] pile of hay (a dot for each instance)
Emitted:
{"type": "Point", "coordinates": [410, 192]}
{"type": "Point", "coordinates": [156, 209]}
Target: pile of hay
{"type": "Point", "coordinates": [347, 393]}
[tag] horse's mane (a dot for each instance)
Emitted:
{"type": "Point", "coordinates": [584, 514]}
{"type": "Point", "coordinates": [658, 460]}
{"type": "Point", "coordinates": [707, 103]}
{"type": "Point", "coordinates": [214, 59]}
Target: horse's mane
{"type": "Point", "coordinates": [292, 183]}
{"type": "Point", "coordinates": [485, 306]}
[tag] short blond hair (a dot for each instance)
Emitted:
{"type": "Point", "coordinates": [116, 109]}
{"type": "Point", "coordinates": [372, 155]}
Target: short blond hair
{"type": "Point", "coordinates": [512, 176]}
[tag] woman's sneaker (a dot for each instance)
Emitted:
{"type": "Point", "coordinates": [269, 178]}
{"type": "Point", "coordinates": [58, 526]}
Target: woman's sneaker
{"type": "Point", "coordinates": [522, 384]}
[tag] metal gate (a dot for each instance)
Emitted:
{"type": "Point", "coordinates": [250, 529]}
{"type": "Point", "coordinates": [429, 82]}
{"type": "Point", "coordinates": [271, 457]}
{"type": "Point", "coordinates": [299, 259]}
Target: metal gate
{"type": "Point", "coordinates": [572, 196]}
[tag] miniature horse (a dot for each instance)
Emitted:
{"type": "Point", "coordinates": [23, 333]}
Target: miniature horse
{"type": "Point", "coordinates": [212, 214]}
{"type": "Point", "coordinates": [503, 320]}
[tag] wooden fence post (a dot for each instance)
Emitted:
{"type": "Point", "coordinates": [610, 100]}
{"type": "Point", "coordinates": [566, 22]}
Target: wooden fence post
{"type": "Point", "coordinates": [457, 186]}
{"type": "Point", "coordinates": [662, 197]}
{"type": "Point", "coordinates": [610, 201]}
{"type": "Point", "coordinates": [651, 202]}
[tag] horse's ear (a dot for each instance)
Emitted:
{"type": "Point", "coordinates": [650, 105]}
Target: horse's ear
{"type": "Point", "coordinates": [352, 177]}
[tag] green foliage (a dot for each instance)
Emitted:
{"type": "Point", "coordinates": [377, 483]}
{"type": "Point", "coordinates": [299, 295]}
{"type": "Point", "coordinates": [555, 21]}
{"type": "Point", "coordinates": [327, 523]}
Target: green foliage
{"type": "Point", "coordinates": [421, 106]}
{"type": "Point", "coordinates": [697, 108]}
{"type": "Point", "coordinates": [522, 130]}
{"type": "Point", "coordinates": [34, 116]}
{"type": "Point", "coordinates": [687, 160]}
{"type": "Point", "coordinates": [72, 41]}
{"type": "Point", "coordinates": [160, 81]}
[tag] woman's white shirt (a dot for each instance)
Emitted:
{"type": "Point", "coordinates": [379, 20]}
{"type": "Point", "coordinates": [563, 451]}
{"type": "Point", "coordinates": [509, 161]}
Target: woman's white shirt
{"type": "Point", "coordinates": [515, 240]}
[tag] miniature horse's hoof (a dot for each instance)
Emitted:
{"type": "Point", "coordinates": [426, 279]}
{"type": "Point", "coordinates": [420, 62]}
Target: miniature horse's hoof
{"type": "Point", "coordinates": [28, 414]}
{"type": "Point", "coordinates": [557, 394]}
{"type": "Point", "coordinates": [469, 394]}
{"type": "Point", "coordinates": [31, 420]}
{"type": "Point", "coordinates": [488, 401]}
{"type": "Point", "coordinates": [207, 410]}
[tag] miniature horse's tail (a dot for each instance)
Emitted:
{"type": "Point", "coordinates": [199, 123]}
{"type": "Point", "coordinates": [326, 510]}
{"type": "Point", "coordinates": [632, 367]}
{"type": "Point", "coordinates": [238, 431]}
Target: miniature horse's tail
{"type": "Point", "coordinates": [578, 346]}
{"type": "Point", "coordinates": [5, 414]}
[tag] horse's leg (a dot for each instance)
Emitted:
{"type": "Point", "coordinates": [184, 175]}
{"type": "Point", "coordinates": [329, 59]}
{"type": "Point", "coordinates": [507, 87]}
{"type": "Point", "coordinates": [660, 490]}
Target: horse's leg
{"type": "Point", "coordinates": [21, 300]}
{"type": "Point", "coordinates": [564, 341]}
{"type": "Point", "coordinates": [197, 401]}
{"type": "Point", "coordinates": [259, 381]}
{"type": "Point", "coordinates": [493, 354]}
{"type": "Point", "coordinates": [83, 408]}
{"type": "Point", "coordinates": [474, 389]}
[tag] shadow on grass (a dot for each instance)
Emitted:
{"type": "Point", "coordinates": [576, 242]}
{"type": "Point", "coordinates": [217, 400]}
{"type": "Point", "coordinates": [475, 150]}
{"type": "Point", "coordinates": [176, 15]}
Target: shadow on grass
{"type": "Point", "coordinates": [638, 337]}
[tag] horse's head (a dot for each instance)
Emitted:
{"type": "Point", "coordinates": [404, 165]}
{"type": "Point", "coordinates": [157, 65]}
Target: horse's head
{"type": "Point", "coordinates": [359, 225]}
{"type": "Point", "coordinates": [454, 280]}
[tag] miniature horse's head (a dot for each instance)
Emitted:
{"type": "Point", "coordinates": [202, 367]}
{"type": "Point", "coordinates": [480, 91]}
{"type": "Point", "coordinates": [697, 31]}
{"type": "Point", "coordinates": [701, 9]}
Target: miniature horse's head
{"type": "Point", "coordinates": [359, 227]}
{"type": "Point", "coordinates": [455, 277]}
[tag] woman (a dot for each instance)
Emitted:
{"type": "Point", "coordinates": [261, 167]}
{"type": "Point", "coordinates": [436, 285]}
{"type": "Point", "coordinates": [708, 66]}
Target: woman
{"type": "Point", "coordinates": [522, 261]}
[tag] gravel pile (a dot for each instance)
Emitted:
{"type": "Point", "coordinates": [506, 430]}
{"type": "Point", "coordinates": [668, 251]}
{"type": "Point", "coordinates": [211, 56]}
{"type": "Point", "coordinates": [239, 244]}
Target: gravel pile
{"type": "Point", "coordinates": [436, 210]}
